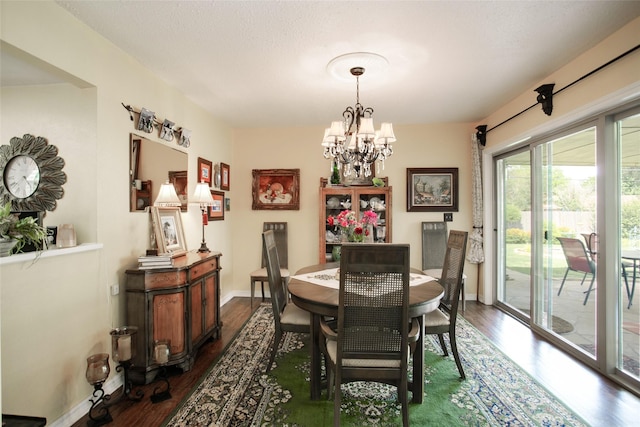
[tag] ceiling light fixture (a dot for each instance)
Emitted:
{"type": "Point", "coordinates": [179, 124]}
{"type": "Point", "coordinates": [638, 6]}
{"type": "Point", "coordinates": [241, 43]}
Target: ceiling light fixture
{"type": "Point", "coordinates": [356, 149]}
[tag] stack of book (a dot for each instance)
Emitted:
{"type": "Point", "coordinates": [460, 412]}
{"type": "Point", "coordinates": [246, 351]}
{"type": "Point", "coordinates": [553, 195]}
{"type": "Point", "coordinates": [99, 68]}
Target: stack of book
{"type": "Point", "coordinates": [148, 262]}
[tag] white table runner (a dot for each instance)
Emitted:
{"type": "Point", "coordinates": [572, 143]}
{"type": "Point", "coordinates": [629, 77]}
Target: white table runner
{"type": "Point", "coordinates": [328, 278]}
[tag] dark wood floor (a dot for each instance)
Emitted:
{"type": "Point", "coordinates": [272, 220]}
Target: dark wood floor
{"type": "Point", "coordinates": [597, 400]}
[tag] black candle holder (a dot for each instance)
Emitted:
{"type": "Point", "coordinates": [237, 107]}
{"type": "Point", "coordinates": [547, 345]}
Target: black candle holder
{"type": "Point", "coordinates": [161, 354]}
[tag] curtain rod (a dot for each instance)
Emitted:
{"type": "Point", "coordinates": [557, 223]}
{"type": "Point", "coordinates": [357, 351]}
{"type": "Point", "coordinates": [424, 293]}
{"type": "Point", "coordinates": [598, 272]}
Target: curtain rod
{"type": "Point", "coordinates": [545, 97]}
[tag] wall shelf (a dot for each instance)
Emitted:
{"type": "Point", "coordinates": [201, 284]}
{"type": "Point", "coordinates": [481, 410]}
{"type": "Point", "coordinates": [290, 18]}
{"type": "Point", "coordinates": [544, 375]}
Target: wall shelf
{"type": "Point", "coordinates": [33, 256]}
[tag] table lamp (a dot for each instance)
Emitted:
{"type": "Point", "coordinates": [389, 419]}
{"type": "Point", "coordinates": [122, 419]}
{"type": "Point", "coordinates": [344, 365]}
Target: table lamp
{"type": "Point", "coordinates": [202, 196]}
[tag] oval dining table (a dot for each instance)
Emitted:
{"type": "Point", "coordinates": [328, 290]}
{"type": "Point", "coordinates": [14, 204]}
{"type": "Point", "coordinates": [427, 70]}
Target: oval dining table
{"type": "Point", "coordinates": [323, 301]}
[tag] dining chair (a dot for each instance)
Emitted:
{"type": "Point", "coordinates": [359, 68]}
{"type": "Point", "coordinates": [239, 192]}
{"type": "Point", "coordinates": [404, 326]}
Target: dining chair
{"type": "Point", "coordinates": [443, 320]}
{"type": "Point", "coordinates": [578, 260]}
{"type": "Point", "coordinates": [260, 275]}
{"type": "Point", "coordinates": [373, 334]}
{"type": "Point", "coordinates": [434, 247]}
{"type": "Point", "coordinates": [287, 316]}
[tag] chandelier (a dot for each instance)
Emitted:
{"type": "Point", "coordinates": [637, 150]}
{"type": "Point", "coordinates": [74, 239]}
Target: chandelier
{"type": "Point", "coordinates": [352, 143]}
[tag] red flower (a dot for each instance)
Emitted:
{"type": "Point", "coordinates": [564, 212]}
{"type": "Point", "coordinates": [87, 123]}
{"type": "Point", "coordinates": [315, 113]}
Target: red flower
{"type": "Point", "coordinates": [357, 230]}
{"type": "Point", "coordinates": [330, 221]}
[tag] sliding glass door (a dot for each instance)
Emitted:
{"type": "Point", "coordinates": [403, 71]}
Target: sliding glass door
{"type": "Point", "coordinates": [627, 127]}
{"type": "Point", "coordinates": [567, 249]}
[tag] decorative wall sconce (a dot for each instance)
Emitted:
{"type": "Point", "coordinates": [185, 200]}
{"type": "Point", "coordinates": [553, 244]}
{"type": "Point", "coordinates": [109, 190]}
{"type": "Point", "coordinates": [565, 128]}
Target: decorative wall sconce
{"type": "Point", "coordinates": [147, 121]}
{"type": "Point", "coordinates": [545, 97]}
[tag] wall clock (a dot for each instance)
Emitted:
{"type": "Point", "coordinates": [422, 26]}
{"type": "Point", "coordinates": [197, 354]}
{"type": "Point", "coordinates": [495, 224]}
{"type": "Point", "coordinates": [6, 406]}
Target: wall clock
{"type": "Point", "coordinates": [32, 176]}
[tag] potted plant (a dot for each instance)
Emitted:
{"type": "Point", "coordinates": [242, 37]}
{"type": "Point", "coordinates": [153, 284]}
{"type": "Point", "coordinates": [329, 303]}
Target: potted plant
{"type": "Point", "coordinates": [15, 233]}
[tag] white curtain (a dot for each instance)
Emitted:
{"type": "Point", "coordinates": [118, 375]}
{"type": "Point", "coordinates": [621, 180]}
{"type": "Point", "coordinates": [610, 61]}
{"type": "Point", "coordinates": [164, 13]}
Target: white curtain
{"type": "Point", "coordinates": [475, 253]}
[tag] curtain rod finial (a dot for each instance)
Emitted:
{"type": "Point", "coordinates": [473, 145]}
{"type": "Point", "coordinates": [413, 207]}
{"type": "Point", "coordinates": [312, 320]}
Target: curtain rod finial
{"type": "Point", "coordinates": [481, 134]}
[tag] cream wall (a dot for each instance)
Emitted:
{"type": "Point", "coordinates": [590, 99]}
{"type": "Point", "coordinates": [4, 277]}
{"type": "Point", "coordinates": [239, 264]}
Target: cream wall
{"type": "Point", "coordinates": [59, 309]}
{"type": "Point", "coordinates": [429, 145]}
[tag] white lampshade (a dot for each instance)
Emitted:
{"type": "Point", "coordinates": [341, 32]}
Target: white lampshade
{"type": "Point", "coordinates": [337, 130]}
{"type": "Point", "coordinates": [167, 196]}
{"type": "Point", "coordinates": [202, 195]}
{"type": "Point", "coordinates": [386, 133]}
{"type": "Point", "coordinates": [366, 128]}
{"type": "Point", "coordinates": [327, 139]}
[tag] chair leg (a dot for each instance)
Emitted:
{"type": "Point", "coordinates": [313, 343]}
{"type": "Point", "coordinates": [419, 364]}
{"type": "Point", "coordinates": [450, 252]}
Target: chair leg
{"type": "Point", "coordinates": [404, 400]}
{"type": "Point", "coordinates": [337, 401]}
{"type": "Point", "coordinates": [588, 292]}
{"type": "Point", "coordinates": [443, 345]}
{"type": "Point", "coordinates": [262, 287]}
{"type": "Point", "coordinates": [456, 356]}
{"type": "Point", "coordinates": [253, 291]}
{"type": "Point", "coordinates": [563, 279]}
{"type": "Point", "coordinates": [276, 343]}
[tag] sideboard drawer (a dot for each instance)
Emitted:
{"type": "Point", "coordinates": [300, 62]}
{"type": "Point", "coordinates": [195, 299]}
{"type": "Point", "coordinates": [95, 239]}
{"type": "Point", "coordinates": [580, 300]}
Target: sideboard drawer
{"type": "Point", "coordinates": [203, 268]}
{"type": "Point", "coordinates": [165, 279]}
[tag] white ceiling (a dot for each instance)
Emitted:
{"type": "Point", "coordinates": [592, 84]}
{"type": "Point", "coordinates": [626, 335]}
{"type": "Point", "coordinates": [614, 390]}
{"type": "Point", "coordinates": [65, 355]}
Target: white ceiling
{"type": "Point", "coordinates": [263, 63]}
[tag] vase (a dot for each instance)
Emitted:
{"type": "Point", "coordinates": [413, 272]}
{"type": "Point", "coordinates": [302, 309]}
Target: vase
{"type": "Point", "coordinates": [6, 244]}
{"type": "Point", "coordinates": [368, 233]}
{"type": "Point", "coordinates": [335, 253]}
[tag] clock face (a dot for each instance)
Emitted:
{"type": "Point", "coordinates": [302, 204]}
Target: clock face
{"type": "Point", "coordinates": [22, 176]}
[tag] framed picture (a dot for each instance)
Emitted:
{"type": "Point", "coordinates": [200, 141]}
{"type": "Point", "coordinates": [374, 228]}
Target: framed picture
{"type": "Point", "coordinates": [276, 189]}
{"type": "Point", "coordinates": [205, 171]}
{"type": "Point", "coordinates": [216, 212]}
{"type": "Point", "coordinates": [179, 181]}
{"type": "Point", "coordinates": [225, 176]}
{"type": "Point", "coordinates": [432, 189]}
{"type": "Point", "coordinates": [227, 204]}
{"type": "Point", "coordinates": [168, 231]}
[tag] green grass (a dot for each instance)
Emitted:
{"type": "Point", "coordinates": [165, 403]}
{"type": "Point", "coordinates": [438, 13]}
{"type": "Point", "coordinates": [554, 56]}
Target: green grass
{"type": "Point", "coordinates": [519, 259]}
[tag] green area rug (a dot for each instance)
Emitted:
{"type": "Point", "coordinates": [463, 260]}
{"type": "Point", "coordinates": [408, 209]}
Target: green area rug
{"type": "Point", "coordinates": [236, 391]}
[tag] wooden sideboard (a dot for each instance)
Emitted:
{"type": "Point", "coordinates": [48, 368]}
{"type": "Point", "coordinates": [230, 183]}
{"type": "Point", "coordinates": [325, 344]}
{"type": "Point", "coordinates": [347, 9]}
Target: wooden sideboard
{"type": "Point", "coordinates": [180, 304]}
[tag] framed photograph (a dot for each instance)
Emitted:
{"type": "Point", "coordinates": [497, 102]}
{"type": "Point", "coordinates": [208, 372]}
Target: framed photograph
{"type": "Point", "coordinates": [432, 189]}
{"type": "Point", "coordinates": [227, 204]}
{"type": "Point", "coordinates": [216, 212]}
{"type": "Point", "coordinates": [276, 189]}
{"type": "Point", "coordinates": [168, 231]}
{"type": "Point", "coordinates": [179, 181]}
{"type": "Point", "coordinates": [205, 171]}
{"type": "Point", "coordinates": [225, 176]}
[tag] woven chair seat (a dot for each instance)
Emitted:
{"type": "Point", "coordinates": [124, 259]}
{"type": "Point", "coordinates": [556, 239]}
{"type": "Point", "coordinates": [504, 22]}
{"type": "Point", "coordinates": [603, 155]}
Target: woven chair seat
{"type": "Point", "coordinates": [436, 318]}
{"type": "Point", "coordinates": [294, 315]}
{"type": "Point", "coordinates": [262, 274]}
{"type": "Point", "coordinates": [332, 349]}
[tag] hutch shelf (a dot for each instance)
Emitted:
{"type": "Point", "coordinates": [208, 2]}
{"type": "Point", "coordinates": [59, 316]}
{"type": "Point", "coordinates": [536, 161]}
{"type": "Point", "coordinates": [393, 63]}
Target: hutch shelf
{"type": "Point", "coordinates": [335, 199]}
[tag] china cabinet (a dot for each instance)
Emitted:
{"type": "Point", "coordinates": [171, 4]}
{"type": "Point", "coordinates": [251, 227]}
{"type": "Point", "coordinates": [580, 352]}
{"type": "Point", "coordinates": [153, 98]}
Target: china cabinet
{"type": "Point", "coordinates": [335, 199]}
{"type": "Point", "coordinates": [179, 304]}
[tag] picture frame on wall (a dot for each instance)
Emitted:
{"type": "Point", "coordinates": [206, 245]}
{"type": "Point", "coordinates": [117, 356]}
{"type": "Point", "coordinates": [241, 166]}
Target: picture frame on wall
{"type": "Point", "coordinates": [168, 231]}
{"type": "Point", "coordinates": [225, 176]}
{"type": "Point", "coordinates": [205, 171]}
{"type": "Point", "coordinates": [432, 189]}
{"type": "Point", "coordinates": [216, 211]}
{"type": "Point", "coordinates": [179, 181]}
{"type": "Point", "coordinates": [276, 189]}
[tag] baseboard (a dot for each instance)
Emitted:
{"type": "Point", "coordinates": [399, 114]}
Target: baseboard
{"type": "Point", "coordinates": [82, 409]}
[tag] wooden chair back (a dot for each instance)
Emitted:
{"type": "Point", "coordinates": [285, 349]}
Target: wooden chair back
{"type": "Point", "coordinates": [282, 242]}
{"type": "Point", "coordinates": [434, 244]}
{"type": "Point", "coordinates": [452, 270]}
{"type": "Point", "coordinates": [373, 307]}
{"type": "Point", "coordinates": [276, 286]}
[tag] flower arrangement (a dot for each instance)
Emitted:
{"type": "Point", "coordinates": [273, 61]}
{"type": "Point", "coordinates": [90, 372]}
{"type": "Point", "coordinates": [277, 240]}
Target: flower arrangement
{"type": "Point", "coordinates": [354, 230]}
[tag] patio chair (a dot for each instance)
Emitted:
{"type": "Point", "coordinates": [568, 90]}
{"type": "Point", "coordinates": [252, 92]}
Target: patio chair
{"type": "Point", "coordinates": [260, 275]}
{"type": "Point", "coordinates": [287, 316]}
{"type": "Point", "coordinates": [578, 260]}
{"type": "Point", "coordinates": [434, 247]}
{"type": "Point", "coordinates": [443, 320]}
{"type": "Point", "coordinates": [373, 337]}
